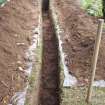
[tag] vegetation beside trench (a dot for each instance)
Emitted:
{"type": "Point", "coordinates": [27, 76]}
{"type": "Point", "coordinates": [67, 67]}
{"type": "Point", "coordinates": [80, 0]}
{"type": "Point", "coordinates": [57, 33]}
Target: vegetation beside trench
{"type": "Point", "coordinates": [93, 7]}
{"type": "Point", "coordinates": [2, 1]}
{"type": "Point", "coordinates": [34, 79]}
{"type": "Point", "coordinates": [77, 95]}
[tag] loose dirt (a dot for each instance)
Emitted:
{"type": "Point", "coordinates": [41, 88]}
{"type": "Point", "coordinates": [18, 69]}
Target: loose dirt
{"type": "Point", "coordinates": [49, 88]}
{"type": "Point", "coordinates": [17, 20]}
{"type": "Point", "coordinates": [80, 31]}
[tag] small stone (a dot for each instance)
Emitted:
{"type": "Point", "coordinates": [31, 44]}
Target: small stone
{"type": "Point", "coordinates": [20, 69]}
{"type": "Point", "coordinates": [16, 35]}
{"type": "Point", "coordinates": [19, 63]}
{"type": "Point", "coordinates": [19, 44]}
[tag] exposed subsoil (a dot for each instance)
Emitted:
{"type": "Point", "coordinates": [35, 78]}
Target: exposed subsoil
{"type": "Point", "coordinates": [80, 31]}
{"type": "Point", "coordinates": [49, 88]}
{"type": "Point", "coordinates": [17, 20]}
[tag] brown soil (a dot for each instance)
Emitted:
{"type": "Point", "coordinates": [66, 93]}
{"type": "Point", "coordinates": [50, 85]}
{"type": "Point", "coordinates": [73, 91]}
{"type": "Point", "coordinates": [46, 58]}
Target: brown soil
{"type": "Point", "coordinates": [49, 88]}
{"type": "Point", "coordinates": [17, 19]}
{"type": "Point", "coordinates": [80, 31]}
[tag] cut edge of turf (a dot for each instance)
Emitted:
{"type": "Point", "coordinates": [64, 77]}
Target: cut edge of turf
{"type": "Point", "coordinates": [34, 79]}
{"type": "Point", "coordinates": [32, 97]}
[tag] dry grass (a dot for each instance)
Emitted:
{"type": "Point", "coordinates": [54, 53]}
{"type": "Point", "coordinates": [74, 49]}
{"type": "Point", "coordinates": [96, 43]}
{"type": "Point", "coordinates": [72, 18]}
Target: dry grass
{"type": "Point", "coordinates": [77, 95]}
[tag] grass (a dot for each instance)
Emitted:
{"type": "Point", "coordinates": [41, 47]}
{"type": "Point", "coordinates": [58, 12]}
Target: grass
{"type": "Point", "coordinates": [86, 3]}
{"type": "Point", "coordinates": [2, 1]}
{"type": "Point", "coordinates": [77, 95]}
{"type": "Point", "coordinates": [93, 7]}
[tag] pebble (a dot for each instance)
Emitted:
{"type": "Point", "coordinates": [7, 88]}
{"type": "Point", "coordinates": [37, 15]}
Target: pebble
{"type": "Point", "coordinates": [19, 44]}
{"type": "Point", "coordinates": [20, 69]}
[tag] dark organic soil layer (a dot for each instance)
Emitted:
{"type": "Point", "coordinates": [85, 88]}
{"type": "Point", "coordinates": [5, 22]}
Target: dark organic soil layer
{"type": "Point", "coordinates": [80, 31]}
{"type": "Point", "coordinates": [49, 88]}
{"type": "Point", "coordinates": [17, 19]}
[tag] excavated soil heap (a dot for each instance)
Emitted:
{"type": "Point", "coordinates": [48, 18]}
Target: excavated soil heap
{"type": "Point", "coordinates": [17, 19]}
{"type": "Point", "coordinates": [80, 31]}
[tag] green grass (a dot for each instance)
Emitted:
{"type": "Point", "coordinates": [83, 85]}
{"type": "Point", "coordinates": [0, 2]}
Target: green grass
{"type": "Point", "coordinates": [86, 3]}
{"type": "Point", "coordinates": [2, 1]}
{"type": "Point", "coordinates": [93, 7]}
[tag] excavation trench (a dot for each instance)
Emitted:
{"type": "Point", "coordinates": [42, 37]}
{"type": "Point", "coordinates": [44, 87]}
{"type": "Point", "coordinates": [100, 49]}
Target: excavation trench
{"type": "Point", "coordinates": [49, 88]}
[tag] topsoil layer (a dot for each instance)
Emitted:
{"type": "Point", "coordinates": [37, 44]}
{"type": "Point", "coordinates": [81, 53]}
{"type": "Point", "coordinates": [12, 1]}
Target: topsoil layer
{"type": "Point", "coordinates": [17, 20]}
{"type": "Point", "coordinates": [80, 31]}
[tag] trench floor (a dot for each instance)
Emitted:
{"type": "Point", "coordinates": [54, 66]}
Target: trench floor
{"type": "Point", "coordinates": [49, 88]}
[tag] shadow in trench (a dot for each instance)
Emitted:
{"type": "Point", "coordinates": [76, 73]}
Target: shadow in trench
{"type": "Point", "coordinates": [50, 75]}
{"type": "Point", "coordinates": [45, 5]}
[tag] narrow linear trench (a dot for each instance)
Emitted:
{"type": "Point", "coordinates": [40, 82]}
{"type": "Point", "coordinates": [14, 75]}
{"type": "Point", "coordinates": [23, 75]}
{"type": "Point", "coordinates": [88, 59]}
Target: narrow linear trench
{"type": "Point", "coordinates": [49, 88]}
